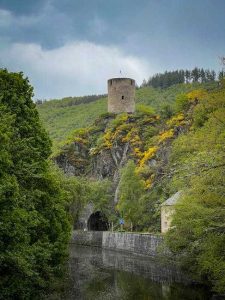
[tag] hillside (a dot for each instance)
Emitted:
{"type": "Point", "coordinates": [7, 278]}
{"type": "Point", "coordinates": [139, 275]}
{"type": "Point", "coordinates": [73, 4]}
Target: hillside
{"type": "Point", "coordinates": [60, 117]}
{"type": "Point", "coordinates": [128, 164]}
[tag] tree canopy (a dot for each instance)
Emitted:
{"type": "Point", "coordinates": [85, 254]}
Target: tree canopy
{"type": "Point", "coordinates": [35, 227]}
{"type": "Point", "coordinates": [198, 232]}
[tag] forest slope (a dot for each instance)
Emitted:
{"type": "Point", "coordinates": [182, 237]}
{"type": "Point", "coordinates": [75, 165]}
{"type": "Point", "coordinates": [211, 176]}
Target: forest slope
{"type": "Point", "coordinates": [60, 117]}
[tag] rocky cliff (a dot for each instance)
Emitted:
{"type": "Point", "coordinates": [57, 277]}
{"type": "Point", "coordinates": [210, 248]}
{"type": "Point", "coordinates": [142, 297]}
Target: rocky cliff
{"type": "Point", "coordinates": [100, 151]}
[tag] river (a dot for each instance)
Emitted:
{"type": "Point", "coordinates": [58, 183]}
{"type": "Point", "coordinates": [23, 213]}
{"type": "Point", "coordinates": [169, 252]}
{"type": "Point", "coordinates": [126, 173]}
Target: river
{"type": "Point", "coordinates": [97, 273]}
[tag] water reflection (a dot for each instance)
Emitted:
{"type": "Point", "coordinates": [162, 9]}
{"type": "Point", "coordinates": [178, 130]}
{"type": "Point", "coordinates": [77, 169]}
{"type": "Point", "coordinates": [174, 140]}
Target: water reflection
{"type": "Point", "coordinates": [102, 274]}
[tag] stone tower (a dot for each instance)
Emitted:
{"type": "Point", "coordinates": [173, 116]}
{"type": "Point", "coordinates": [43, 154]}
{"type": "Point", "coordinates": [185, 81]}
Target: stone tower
{"type": "Point", "coordinates": [121, 94]}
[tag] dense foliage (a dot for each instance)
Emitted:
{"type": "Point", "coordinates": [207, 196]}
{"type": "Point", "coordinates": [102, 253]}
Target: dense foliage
{"type": "Point", "coordinates": [131, 189]}
{"type": "Point", "coordinates": [167, 79]}
{"type": "Point", "coordinates": [70, 101]}
{"type": "Point", "coordinates": [198, 157]}
{"type": "Point", "coordinates": [35, 228]}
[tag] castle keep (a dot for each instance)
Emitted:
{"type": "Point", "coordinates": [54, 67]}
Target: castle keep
{"type": "Point", "coordinates": [121, 94]}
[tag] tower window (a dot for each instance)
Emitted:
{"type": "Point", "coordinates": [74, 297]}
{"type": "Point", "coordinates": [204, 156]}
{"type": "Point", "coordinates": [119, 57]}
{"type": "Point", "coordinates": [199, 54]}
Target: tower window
{"type": "Point", "coordinates": [131, 82]}
{"type": "Point", "coordinates": [122, 97]}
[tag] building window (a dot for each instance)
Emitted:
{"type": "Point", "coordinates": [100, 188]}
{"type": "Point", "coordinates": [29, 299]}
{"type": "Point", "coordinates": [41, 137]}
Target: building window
{"type": "Point", "coordinates": [122, 97]}
{"type": "Point", "coordinates": [110, 82]}
{"type": "Point", "coordinates": [131, 82]}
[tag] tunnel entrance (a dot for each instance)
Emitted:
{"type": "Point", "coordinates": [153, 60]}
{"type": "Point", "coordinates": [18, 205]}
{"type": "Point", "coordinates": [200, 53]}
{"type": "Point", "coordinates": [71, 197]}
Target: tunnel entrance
{"type": "Point", "coordinates": [98, 222]}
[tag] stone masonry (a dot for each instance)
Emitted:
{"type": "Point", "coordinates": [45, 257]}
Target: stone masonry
{"type": "Point", "coordinates": [121, 94]}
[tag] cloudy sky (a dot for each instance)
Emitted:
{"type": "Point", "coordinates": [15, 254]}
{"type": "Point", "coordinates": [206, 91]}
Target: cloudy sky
{"type": "Point", "coordinates": [71, 47]}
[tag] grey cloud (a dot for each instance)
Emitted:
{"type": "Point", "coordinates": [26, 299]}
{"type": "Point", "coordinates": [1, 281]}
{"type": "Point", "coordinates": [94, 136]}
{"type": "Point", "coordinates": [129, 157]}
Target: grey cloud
{"type": "Point", "coordinates": [77, 68]}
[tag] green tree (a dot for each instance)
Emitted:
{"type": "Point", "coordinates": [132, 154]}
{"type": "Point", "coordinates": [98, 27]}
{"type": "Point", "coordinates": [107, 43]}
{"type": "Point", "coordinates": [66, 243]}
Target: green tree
{"type": "Point", "coordinates": [195, 74]}
{"type": "Point", "coordinates": [221, 75]}
{"type": "Point", "coordinates": [187, 76]}
{"type": "Point", "coordinates": [198, 234]}
{"type": "Point", "coordinates": [35, 227]}
{"type": "Point", "coordinates": [131, 189]}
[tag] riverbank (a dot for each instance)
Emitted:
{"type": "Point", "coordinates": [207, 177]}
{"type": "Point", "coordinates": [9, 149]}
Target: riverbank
{"type": "Point", "coordinates": [119, 252]}
{"type": "Point", "coordinates": [136, 243]}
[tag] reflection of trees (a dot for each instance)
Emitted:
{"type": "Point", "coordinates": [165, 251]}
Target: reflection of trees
{"type": "Point", "coordinates": [100, 274]}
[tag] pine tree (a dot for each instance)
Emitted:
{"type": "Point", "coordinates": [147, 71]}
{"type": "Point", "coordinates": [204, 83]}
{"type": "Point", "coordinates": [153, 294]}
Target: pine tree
{"type": "Point", "coordinates": [187, 76]}
{"type": "Point", "coordinates": [202, 75]}
{"type": "Point", "coordinates": [195, 75]}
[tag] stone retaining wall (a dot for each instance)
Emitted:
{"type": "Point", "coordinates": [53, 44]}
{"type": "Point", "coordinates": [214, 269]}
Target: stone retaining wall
{"type": "Point", "coordinates": [87, 238]}
{"type": "Point", "coordinates": [144, 244]}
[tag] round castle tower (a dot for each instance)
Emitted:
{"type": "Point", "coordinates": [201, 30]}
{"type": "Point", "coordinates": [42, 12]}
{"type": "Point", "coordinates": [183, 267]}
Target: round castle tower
{"type": "Point", "coordinates": [121, 94]}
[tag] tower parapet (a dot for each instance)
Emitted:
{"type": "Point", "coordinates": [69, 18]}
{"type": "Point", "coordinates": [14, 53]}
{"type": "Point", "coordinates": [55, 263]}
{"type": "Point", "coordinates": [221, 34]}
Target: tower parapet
{"type": "Point", "coordinates": [121, 94]}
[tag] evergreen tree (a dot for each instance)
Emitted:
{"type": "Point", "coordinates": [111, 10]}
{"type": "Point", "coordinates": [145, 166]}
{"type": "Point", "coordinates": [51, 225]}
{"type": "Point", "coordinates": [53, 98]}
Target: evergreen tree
{"type": "Point", "coordinates": [208, 75]}
{"type": "Point", "coordinates": [195, 75]}
{"type": "Point", "coordinates": [213, 75]}
{"type": "Point", "coordinates": [221, 75]}
{"type": "Point", "coordinates": [187, 76]}
{"type": "Point", "coordinates": [202, 75]}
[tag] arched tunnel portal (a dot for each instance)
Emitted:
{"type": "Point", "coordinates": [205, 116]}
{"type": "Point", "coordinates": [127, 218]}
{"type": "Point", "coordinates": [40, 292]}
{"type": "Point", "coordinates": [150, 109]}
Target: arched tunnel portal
{"type": "Point", "coordinates": [98, 222]}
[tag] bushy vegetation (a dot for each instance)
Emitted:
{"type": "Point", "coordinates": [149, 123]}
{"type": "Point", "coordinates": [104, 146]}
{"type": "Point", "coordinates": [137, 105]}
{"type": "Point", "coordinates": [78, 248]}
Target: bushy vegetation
{"type": "Point", "coordinates": [198, 232]}
{"type": "Point", "coordinates": [70, 101]}
{"type": "Point", "coordinates": [81, 191]}
{"type": "Point", "coordinates": [34, 223]}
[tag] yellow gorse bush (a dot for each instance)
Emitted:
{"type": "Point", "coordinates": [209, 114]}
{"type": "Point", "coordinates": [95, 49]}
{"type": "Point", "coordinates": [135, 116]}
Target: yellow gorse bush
{"type": "Point", "coordinates": [150, 153]}
{"type": "Point", "coordinates": [165, 135]}
{"type": "Point", "coordinates": [197, 95]}
{"type": "Point", "coordinates": [107, 140]}
{"type": "Point", "coordinates": [176, 120]}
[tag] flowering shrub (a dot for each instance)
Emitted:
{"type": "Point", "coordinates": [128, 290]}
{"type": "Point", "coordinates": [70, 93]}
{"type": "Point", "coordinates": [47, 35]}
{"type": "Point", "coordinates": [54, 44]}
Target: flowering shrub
{"type": "Point", "coordinates": [150, 153]}
{"type": "Point", "coordinates": [137, 152]}
{"type": "Point", "coordinates": [176, 120]}
{"type": "Point", "coordinates": [107, 140]}
{"type": "Point", "coordinates": [148, 183]}
{"type": "Point", "coordinates": [165, 135]}
{"type": "Point", "coordinates": [197, 95]}
{"type": "Point", "coordinates": [120, 119]}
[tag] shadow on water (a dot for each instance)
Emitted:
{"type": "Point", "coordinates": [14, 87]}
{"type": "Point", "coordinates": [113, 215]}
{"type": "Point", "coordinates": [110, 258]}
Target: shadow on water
{"type": "Point", "coordinates": [103, 274]}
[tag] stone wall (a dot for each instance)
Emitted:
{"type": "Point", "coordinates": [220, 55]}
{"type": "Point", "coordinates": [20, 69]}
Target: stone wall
{"type": "Point", "coordinates": [121, 94]}
{"type": "Point", "coordinates": [144, 244]}
{"type": "Point", "coordinates": [87, 238]}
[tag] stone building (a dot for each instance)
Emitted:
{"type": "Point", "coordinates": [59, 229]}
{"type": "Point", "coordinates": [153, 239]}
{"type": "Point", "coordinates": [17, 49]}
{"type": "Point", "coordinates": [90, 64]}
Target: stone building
{"type": "Point", "coordinates": [167, 211]}
{"type": "Point", "coordinates": [121, 95]}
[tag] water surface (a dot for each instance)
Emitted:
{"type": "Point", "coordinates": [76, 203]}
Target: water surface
{"type": "Point", "coordinates": [97, 273]}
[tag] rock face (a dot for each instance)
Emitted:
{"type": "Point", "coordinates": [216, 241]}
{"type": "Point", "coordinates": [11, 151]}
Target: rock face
{"type": "Point", "coordinates": [105, 164]}
{"type": "Point", "coordinates": [75, 160]}
{"type": "Point", "coordinates": [99, 152]}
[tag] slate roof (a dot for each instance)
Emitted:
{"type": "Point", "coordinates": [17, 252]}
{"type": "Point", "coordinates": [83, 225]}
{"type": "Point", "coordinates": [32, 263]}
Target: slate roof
{"type": "Point", "coordinates": [172, 200]}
